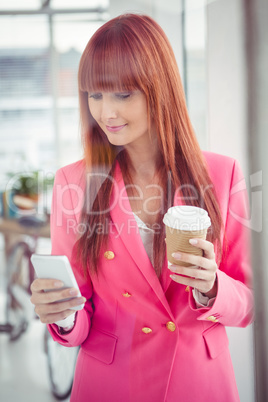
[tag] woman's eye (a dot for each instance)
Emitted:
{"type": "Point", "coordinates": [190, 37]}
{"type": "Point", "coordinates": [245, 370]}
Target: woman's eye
{"type": "Point", "coordinates": [96, 96]}
{"type": "Point", "coordinates": [123, 95]}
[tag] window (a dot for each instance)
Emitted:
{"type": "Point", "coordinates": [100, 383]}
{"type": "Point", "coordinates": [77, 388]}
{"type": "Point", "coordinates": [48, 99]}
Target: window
{"type": "Point", "coordinates": [17, 4]}
{"type": "Point", "coordinates": [25, 92]}
{"type": "Point", "coordinates": [79, 3]}
{"type": "Point", "coordinates": [39, 57]}
{"type": "Point", "coordinates": [195, 66]}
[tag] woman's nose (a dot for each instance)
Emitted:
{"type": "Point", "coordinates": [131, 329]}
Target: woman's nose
{"type": "Point", "coordinates": [108, 110]}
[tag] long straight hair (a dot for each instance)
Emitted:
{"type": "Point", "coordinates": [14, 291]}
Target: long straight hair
{"type": "Point", "coordinates": [127, 53]}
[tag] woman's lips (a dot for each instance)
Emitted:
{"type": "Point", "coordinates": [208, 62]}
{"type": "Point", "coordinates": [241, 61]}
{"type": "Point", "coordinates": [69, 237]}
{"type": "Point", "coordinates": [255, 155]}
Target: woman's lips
{"type": "Point", "coordinates": [114, 129]}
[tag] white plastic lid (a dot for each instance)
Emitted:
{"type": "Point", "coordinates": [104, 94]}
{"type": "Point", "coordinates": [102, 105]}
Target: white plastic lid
{"type": "Point", "coordinates": [187, 217]}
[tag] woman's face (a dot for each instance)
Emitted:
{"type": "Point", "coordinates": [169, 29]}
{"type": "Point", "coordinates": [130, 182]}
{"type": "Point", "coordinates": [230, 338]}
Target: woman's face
{"type": "Point", "coordinates": [121, 115]}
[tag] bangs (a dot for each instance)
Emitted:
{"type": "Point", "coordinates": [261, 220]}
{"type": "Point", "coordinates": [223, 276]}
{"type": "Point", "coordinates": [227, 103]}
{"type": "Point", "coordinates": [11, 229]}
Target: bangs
{"type": "Point", "coordinates": [108, 64]}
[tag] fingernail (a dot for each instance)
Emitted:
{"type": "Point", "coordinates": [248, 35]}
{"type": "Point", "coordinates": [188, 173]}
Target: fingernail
{"type": "Point", "coordinates": [177, 256]}
{"type": "Point", "coordinates": [80, 300]}
{"type": "Point", "coordinates": [193, 241]}
{"type": "Point", "coordinates": [58, 284]}
{"type": "Point", "coordinates": [73, 292]}
{"type": "Point", "coordinates": [172, 268]}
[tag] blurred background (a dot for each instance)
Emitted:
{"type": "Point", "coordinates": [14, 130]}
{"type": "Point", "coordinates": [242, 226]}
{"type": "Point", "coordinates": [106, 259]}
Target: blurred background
{"type": "Point", "coordinates": [41, 41]}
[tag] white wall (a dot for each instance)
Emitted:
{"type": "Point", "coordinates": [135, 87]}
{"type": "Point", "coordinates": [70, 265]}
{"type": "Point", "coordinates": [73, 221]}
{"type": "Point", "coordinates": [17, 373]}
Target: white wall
{"type": "Point", "coordinates": [226, 75]}
{"type": "Point", "coordinates": [227, 122]}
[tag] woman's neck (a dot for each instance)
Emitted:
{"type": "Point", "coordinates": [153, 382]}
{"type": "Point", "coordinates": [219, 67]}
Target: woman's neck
{"type": "Point", "coordinates": [143, 160]}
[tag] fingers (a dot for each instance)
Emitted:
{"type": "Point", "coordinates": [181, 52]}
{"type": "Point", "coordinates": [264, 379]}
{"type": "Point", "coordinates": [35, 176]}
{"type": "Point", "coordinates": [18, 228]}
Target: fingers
{"type": "Point", "coordinates": [58, 306]}
{"type": "Point", "coordinates": [206, 246]}
{"type": "Point", "coordinates": [202, 274]}
{"type": "Point", "coordinates": [193, 272]}
{"type": "Point", "coordinates": [39, 285]}
{"type": "Point", "coordinates": [207, 261]}
{"type": "Point", "coordinates": [205, 285]}
{"type": "Point", "coordinates": [193, 283]}
{"type": "Point", "coordinates": [53, 296]}
{"type": "Point", "coordinates": [195, 260]}
{"type": "Point", "coordinates": [52, 312]}
{"type": "Point", "coordinates": [50, 300]}
{"type": "Point", "coordinates": [52, 318]}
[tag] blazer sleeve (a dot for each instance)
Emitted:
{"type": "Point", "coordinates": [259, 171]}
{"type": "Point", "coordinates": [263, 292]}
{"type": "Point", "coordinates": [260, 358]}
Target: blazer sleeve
{"type": "Point", "coordinates": [233, 305]}
{"type": "Point", "coordinates": [64, 221]}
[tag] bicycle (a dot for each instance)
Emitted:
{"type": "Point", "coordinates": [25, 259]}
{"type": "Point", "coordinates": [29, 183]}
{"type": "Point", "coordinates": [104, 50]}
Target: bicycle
{"type": "Point", "coordinates": [60, 375]}
{"type": "Point", "coordinates": [19, 311]}
{"type": "Point", "coordinates": [19, 276]}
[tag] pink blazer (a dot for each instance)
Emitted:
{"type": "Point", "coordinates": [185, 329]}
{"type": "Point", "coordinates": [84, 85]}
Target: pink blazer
{"type": "Point", "coordinates": [144, 339]}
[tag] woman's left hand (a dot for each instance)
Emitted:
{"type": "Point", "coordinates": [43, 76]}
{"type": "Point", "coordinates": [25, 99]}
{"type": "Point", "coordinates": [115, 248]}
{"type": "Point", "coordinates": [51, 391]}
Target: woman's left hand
{"type": "Point", "coordinates": [202, 275]}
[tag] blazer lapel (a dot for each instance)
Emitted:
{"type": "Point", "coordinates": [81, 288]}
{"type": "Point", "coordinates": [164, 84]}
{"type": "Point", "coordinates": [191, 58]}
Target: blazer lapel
{"type": "Point", "coordinates": [127, 228]}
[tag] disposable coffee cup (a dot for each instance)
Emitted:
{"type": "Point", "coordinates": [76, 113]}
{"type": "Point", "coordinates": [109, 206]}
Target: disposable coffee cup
{"type": "Point", "coordinates": [185, 222]}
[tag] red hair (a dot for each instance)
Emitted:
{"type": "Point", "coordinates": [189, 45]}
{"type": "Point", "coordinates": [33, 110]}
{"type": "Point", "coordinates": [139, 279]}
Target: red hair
{"type": "Point", "coordinates": [132, 52]}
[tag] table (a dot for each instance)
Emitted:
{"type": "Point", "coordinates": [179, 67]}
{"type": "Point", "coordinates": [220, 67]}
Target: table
{"type": "Point", "coordinates": [12, 230]}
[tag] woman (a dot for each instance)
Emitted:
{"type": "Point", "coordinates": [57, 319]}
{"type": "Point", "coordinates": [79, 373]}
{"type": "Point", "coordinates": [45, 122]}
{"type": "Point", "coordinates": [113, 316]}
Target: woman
{"type": "Point", "coordinates": [148, 332]}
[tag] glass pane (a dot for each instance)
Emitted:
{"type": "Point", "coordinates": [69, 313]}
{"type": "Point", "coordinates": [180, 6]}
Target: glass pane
{"type": "Point", "coordinates": [79, 3]}
{"type": "Point", "coordinates": [195, 46]}
{"type": "Point", "coordinates": [19, 5]}
{"type": "Point", "coordinates": [27, 133]}
{"type": "Point", "coordinates": [23, 32]}
{"type": "Point", "coordinates": [70, 143]}
{"type": "Point", "coordinates": [195, 24]}
{"type": "Point", "coordinates": [84, 26]}
{"type": "Point", "coordinates": [69, 49]}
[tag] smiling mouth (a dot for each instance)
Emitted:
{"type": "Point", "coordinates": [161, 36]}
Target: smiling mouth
{"type": "Point", "coordinates": [114, 129]}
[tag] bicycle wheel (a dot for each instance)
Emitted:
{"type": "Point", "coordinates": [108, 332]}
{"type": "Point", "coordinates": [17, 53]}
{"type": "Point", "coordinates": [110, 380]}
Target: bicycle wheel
{"type": "Point", "coordinates": [19, 310]}
{"type": "Point", "coordinates": [61, 364]}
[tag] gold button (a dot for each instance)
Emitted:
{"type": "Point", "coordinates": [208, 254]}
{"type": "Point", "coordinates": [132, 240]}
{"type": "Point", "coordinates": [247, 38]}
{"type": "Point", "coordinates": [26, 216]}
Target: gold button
{"type": "Point", "coordinates": [187, 289]}
{"type": "Point", "coordinates": [171, 326]}
{"type": "Point", "coordinates": [109, 255]}
{"type": "Point", "coordinates": [126, 294]}
{"type": "Point", "coordinates": [212, 318]}
{"type": "Point", "coordinates": [147, 330]}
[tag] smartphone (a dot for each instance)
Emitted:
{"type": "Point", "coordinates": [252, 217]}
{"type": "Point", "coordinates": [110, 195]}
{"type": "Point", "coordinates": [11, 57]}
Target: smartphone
{"type": "Point", "coordinates": [56, 267]}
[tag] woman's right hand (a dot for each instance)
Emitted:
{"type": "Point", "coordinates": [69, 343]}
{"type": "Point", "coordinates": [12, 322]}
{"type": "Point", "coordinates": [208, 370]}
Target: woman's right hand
{"type": "Point", "coordinates": [49, 306]}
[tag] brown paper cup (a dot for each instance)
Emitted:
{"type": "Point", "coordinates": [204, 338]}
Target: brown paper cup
{"type": "Point", "coordinates": [178, 241]}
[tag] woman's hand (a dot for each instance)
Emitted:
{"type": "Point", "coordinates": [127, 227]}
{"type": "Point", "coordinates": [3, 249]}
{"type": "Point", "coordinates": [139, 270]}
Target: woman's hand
{"type": "Point", "coordinates": [202, 275]}
{"type": "Point", "coordinates": [49, 306]}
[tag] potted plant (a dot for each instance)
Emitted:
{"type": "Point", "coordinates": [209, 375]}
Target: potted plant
{"type": "Point", "coordinates": [25, 188]}
{"type": "Point", "coordinates": [27, 185]}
